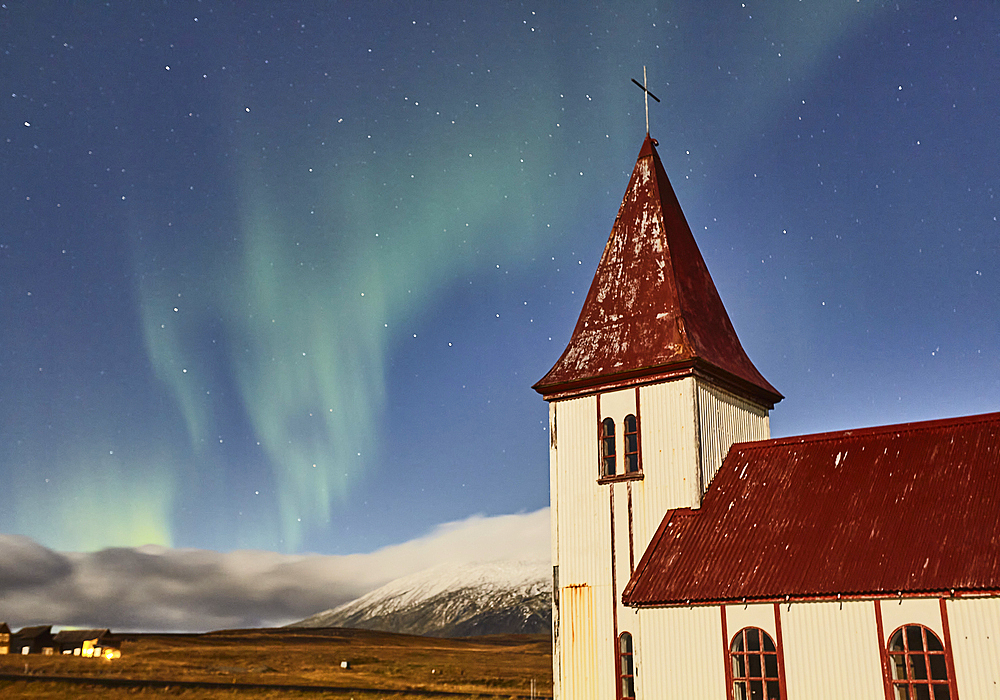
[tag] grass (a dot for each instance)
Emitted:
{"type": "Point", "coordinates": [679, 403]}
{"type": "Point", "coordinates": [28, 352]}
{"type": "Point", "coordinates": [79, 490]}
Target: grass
{"type": "Point", "coordinates": [488, 667]}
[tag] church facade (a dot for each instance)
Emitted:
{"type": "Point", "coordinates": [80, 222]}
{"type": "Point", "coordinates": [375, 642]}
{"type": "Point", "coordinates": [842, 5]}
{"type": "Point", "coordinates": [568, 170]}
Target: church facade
{"type": "Point", "coordinates": [695, 557]}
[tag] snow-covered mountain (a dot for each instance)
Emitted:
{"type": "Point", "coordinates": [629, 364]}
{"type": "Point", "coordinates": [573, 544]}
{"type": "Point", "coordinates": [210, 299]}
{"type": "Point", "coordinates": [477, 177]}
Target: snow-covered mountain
{"type": "Point", "coordinates": [501, 597]}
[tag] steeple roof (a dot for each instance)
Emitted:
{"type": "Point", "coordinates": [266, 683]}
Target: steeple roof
{"type": "Point", "coordinates": [652, 311]}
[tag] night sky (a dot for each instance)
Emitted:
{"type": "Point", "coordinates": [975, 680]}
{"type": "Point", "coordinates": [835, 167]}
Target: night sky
{"type": "Point", "coordinates": [280, 276]}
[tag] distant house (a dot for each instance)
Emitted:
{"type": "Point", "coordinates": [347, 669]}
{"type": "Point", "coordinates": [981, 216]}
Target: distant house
{"type": "Point", "coordinates": [32, 640]}
{"type": "Point", "coordinates": [87, 643]}
{"type": "Point", "coordinates": [4, 638]}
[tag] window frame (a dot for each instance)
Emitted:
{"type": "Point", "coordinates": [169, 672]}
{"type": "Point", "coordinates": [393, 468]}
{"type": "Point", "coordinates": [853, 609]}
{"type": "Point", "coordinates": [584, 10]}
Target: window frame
{"type": "Point", "coordinates": [901, 661]}
{"type": "Point", "coordinates": [627, 451]}
{"type": "Point", "coordinates": [608, 448]}
{"type": "Point", "coordinates": [619, 475]}
{"type": "Point", "coordinates": [747, 655]}
{"type": "Point", "coordinates": [626, 679]}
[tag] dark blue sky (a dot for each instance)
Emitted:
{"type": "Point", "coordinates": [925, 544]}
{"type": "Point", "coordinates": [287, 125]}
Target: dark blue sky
{"type": "Point", "coordinates": [281, 277]}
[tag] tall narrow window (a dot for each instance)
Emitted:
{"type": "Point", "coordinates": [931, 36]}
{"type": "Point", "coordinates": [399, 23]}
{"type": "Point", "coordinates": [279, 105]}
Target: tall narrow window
{"type": "Point", "coordinates": [626, 667]}
{"type": "Point", "coordinates": [918, 665]}
{"type": "Point", "coordinates": [631, 444]}
{"type": "Point", "coordinates": [608, 447]}
{"type": "Point", "coordinates": [754, 659]}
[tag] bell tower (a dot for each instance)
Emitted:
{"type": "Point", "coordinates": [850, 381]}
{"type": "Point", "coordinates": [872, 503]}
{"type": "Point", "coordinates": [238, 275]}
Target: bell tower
{"type": "Point", "coordinates": [645, 401]}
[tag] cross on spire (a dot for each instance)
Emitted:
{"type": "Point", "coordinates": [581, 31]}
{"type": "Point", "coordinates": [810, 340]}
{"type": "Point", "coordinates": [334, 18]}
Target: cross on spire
{"type": "Point", "coordinates": [646, 96]}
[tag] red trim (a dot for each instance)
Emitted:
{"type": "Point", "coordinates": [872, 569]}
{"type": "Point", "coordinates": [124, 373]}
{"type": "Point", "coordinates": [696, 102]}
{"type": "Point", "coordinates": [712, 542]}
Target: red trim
{"type": "Point", "coordinates": [725, 654]}
{"type": "Point", "coordinates": [781, 651]}
{"type": "Point", "coordinates": [634, 476]}
{"type": "Point", "coordinates": [655, 375]}
{"type": "Point", "coordinates": [949, 659]}
{"type": "Point", "coordinates": [882, 653]}
{"type": "Point", "coordinates": [864, 595]}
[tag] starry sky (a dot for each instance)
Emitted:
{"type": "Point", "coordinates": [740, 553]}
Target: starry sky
{"type": "Point", "coordinates": [279, 276]}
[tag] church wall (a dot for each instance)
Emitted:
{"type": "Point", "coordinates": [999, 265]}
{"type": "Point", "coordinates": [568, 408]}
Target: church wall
{"type": "Point", "coordinates": [760, 615]}
{"type": "Point", "coordinates": [668, 430]}
{"type": "Point", "coordinates": [831, 651]}
{"type": "Point", "coordinates": [583, 520]}
{"type": "Point", "coordinates": [584, 651]}
{"type": "Point", "coordinates": [679, 653]}
{"type": "Point", "coordinates": [974, 624]}
{"type": "Point", "coordinates": [908, 611]}
{"type": "Point", "coordinates": [724, 419]}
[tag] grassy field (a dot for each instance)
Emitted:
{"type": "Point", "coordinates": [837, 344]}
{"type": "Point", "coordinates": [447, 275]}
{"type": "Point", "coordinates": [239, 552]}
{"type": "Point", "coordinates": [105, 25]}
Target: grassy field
{"type": "Point", "coordinates": [298, 663]}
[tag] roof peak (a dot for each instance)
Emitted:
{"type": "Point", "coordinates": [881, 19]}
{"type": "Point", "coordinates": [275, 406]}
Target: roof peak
{"type": "Point", "coordinates": [652, 311]}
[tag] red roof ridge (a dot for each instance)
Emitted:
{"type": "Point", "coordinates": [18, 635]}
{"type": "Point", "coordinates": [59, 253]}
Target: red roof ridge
{"type": "Point", "coordinates": [913, 426]}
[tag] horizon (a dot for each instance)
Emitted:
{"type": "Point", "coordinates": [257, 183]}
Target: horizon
{"type": "Point", "coordinates": [280, 279]}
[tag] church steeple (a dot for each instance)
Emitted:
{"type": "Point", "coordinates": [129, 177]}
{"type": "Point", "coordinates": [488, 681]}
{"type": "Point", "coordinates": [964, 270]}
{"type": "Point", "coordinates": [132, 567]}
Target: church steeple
{"type": "Point", "coordinates": [653, 312]}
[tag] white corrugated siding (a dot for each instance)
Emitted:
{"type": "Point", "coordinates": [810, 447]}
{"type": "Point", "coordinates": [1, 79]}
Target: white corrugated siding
{"type": "Point", "coordinates": [583, 533]}
{"type": "Point", "coordinates": [975, 641]}
{"type": "Point", "coordinates": [831, 653]}
{"type": "Point", "coordinates": [911, 611]}
{"type": "Point", "coordinates": [679, 653]}
{"type": "Point", "coordinates": [725, 419]}
{"type": "Point", "coordinates": [554, 540]}
{"type": "Point", "coordinates": [580, 640]}
{"type": "Point", "coordinates": [583, 521]}
{"type": "Point", "coordinates": [669, 454]}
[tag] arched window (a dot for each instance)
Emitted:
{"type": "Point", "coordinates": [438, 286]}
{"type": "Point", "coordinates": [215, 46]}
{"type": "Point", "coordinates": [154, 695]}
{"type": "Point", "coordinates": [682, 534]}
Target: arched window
{"type": "Point", "coordinates": [626, 667]}
{"type": "Point", "coordinates": [631, 444]}
{"type": "Point", "coordinates": [918, 665]}
{"type": "Point", "coordinates": [754, 660]}
{"type": "Point", "coordinates": [608, 447]}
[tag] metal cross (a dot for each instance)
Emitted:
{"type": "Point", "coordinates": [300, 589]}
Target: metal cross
{"type": "Point", "coordinates": [642, 86]}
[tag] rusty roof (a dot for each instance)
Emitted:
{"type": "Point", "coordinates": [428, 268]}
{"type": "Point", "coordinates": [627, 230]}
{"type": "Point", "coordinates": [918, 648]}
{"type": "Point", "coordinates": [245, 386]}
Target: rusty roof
{"type": "Point", "coordinates": [652, 310]}
{"type": "Point", "coordinates": [877, 512]}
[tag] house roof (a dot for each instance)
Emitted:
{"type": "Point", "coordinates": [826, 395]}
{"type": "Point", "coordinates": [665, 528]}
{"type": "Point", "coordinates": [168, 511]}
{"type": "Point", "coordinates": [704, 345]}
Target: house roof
{"type": "Point", "coordinates": [79, 636]}
{"type": "Point", "coordinates": [652, 311]}
{"type": "Point", "coordinates": [32, 632]}
{"type": "Point", "coordinates": [4, 629]}
{"type": "Point", "coordinates": [877, 512]}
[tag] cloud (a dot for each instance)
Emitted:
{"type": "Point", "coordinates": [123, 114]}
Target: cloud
{"type": "Point", "coordinates": [154, 588]}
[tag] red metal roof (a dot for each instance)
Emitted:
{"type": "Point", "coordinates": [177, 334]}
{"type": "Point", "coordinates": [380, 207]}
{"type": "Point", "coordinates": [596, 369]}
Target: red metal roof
{"type": "Point", "coordinates": [652, 310]}
{"type": "Point", "coordinates": [900, 509]}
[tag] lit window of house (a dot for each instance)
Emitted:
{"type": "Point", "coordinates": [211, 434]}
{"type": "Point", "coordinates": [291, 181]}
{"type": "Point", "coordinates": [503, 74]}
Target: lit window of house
{"type": "Point", "coordinates": [608, 447]}
{"type": "Point", "coordinates": [626, 667]}
{"type": "Point", "coordinates": [631, 444]}
{"type": "Point", "coordinates": [754, 660]}
{"type": "Point", "coordinates": [918, 664]}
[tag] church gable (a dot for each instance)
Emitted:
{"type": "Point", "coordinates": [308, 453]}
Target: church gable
{"type": "Point", "coordinates": [877, 512]}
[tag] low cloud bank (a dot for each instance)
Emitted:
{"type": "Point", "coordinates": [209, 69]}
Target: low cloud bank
{"type": "Point", "coordinates": [161, 589]}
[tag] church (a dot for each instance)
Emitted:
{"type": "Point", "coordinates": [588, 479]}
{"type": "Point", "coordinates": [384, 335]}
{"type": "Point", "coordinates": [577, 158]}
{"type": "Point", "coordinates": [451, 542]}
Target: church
{"type": "Point", "coordinates": [695, 557]}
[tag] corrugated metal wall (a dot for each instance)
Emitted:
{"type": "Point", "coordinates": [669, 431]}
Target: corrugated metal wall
{"type": "Point", "coordinates": [679, 654]}
{"type": "Point", "coordinates": [831, 652]}
{"type": "Point", "coordinates": [668, 431]}
{"type": "Point", "coordinates": [584, 661]}
{"type": "Point", "coordinates": [583, 532]}
{"type": "Point", "coordinates": [725, 419]}
{"type": "Point", "coordinates": [581, 643]}
{"type": "Point", "coordinates": [975, 643]}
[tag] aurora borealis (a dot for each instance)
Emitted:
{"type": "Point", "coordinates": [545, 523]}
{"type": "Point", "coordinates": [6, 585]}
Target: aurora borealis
{"type": "Point", "coordinates": [280, 276]}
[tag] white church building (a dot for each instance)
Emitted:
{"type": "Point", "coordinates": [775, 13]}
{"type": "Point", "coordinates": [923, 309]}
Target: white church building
{"type": "Point", "coordinates": [697, 558]}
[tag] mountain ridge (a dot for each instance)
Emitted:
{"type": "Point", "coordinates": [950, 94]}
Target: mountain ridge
{"type": "Point", "coordinates": [449, 600]}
